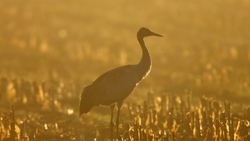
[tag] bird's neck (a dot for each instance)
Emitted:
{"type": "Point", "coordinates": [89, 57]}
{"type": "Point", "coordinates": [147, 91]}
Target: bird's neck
{"type": "Point", "coordinates": [144, 66]}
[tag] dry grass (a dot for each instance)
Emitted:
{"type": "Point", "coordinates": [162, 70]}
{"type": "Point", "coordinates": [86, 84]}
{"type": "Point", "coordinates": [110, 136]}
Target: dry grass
{"type": "Point", "coordinates": [164, 118]}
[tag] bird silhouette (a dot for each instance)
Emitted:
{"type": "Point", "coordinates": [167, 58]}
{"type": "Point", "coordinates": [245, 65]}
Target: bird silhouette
{"type": "Point", "coordinates": [117, 84]}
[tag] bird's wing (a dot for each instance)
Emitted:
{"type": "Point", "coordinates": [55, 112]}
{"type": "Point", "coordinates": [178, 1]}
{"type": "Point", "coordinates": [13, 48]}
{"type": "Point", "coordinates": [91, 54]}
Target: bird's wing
{"type": "Point", "coordinates": [114, 85]}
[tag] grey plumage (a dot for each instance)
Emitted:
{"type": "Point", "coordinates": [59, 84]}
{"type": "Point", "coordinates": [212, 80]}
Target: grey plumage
{"type": "Point", "coordinates": [117, 84]}
{"type": "Point", "coordinates": [99, 92]}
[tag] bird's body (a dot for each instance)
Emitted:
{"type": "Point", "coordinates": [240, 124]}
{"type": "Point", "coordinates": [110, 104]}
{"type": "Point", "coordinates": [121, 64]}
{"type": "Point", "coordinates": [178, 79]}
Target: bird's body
{"type": "Point", "coordinates": [117, 84]}
{"type": "Point", "coordinates": [100, 92]}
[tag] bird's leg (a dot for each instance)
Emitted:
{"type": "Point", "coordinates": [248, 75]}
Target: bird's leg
{"type": "Point", "coordinates": [111, 122]}
{"type": "Point", "coordinates": [119, 105]}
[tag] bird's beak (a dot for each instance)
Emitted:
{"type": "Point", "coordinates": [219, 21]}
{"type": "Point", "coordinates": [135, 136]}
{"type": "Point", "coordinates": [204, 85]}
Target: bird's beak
{"type": "Point", "coordinates": [155, 34]}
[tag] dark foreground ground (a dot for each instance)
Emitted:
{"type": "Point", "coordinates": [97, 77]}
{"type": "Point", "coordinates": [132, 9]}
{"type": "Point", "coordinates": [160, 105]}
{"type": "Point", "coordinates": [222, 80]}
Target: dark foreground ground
{"type": "Point", "coordinates": [40, 113]}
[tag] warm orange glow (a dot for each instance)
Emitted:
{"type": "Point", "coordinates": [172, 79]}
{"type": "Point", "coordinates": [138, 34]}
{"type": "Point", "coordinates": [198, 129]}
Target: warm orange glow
{"type": "Point", "coordinates": [50, 49]}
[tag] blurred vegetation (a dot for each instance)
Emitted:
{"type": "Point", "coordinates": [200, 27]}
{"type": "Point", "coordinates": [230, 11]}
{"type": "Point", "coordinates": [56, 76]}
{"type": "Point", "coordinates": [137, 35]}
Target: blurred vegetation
{"type": "Point", "coordinates": [67, 44]}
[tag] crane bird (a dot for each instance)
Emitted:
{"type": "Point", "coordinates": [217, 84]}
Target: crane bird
{"type": "Point", "coordinates": [115, 85]}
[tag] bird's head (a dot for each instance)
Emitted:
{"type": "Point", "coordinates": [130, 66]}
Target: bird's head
{"type": "Point", "coordinates": [144, 32]}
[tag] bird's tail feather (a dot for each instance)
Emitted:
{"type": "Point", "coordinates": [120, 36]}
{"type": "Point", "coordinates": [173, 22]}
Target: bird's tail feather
{"type": "Point", "coordinates": [86, 100]}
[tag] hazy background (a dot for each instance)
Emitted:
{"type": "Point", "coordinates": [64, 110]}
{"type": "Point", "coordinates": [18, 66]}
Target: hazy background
{"type": "Point", "coordinates": [205, 49]}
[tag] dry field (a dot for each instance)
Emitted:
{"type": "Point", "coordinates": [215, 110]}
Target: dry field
{"type": "Point", "coordinates": [198, 89]}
